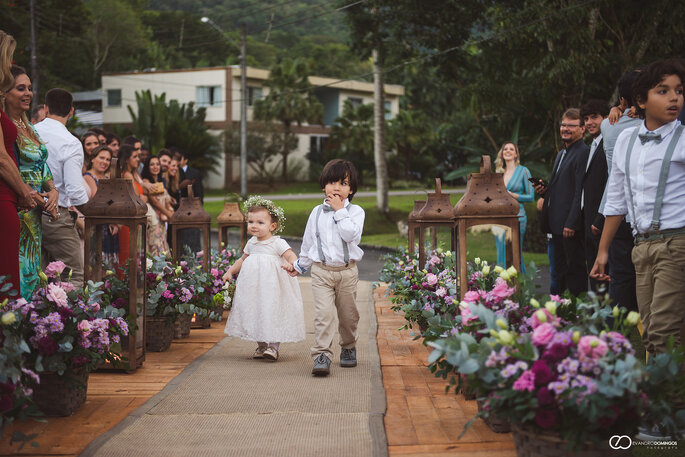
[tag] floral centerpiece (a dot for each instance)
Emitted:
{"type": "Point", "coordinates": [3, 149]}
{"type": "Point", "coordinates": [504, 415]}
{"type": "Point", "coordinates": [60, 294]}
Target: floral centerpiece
{"type": "Point", "coordinates": [580, 381]}
{"type": "Point", "coordinates": [424, 293]}
{"type": "Point", "coordinates": [16, 377]}
{"type": "Point", "coordinates": [69, 334]}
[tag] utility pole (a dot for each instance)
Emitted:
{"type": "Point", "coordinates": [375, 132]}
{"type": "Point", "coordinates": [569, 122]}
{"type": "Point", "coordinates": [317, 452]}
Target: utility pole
{"type": "Point", "coordinates": [243, 112]}
{"type": "Point", "coordinates": [243, 98]}
{"type": "Point", "coordinates": [379, 134]}
{"type": "Point", "coordinates": [35, 71]}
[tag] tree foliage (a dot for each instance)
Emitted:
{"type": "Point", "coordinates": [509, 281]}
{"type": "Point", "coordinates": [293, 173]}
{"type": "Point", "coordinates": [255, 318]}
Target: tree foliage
{"type": "Point", "coordinates": [159, 123]}
{"type": "Point", "coordinates": [289, 102]}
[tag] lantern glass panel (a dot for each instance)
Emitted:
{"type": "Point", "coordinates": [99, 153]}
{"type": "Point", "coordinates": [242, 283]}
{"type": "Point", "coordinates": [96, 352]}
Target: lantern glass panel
{"type": "Point", "coordinates": [139, 293]}
{"type": "Point", "coordinates": [190, 237]}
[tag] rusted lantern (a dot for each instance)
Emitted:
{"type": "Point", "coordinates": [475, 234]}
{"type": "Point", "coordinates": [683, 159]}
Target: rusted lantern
{"type": "Point", "coordinates": [231, 216]}
{"type": "Point", "coordinates": [189, 219]}
{"type": "Point", "coordinates": [435, 213]}
{"type": "Point", "coordinates": [486, 201]}
{"type": "Point", "coordinates": [115, 207]}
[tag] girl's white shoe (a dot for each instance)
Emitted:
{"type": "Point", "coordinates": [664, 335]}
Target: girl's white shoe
{"type": "Point", "coordinates": [271, 354]}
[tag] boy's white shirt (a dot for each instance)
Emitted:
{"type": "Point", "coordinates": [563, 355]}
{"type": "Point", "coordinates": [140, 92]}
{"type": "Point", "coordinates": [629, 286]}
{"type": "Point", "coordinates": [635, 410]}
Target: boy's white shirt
{"type": "Point", "coordinates": [346, 224]}
{"type": "Point", "coordinates": [645, 166]}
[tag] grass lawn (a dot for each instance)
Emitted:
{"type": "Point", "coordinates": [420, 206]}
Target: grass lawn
{"type": "Point", "coordinates": [380, 229]}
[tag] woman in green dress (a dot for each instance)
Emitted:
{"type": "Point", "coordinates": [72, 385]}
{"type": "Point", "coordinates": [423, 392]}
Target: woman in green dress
{"type": "Point", "coordinates": [35, 172]}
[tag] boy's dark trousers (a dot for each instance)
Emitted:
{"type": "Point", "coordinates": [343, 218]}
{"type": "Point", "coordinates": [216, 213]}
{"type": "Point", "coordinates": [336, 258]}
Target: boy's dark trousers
{"type": "Point", "coordinates": [622, 285]}
{"type": "Point", "coordinates": [569, 262]}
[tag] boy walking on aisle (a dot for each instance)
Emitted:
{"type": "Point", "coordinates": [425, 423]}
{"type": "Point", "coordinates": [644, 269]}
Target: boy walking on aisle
{"type": "Point", "coordinates": [330, 246]}
{"type": "Point", "coordinates": [647, 185]}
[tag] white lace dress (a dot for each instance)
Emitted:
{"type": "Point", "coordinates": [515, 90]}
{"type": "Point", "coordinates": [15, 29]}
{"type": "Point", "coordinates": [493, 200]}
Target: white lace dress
{"type": "Point", "coordinates": [267, 305]}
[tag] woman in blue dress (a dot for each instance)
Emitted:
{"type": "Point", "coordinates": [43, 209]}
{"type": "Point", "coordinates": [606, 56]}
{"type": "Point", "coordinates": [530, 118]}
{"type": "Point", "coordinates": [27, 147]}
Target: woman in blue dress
{"type": "Point", "coordinates": [516, 179]}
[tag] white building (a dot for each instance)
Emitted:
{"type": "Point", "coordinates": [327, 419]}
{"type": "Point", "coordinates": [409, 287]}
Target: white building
{"type": "Point", "coordinates": [218, 90]}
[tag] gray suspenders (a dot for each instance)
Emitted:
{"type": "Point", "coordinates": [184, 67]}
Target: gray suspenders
{"type": "Point", "coordinates": [663, 175]}
{"type": "Point", "coordinates": [346, 250]}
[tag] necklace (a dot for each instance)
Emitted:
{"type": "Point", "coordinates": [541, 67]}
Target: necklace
{"type": "Point", "coordinates": [19, 123]}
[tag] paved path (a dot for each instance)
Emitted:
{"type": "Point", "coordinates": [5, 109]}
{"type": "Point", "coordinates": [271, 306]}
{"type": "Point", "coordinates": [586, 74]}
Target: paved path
{"type": "Point", "coordinates": [307, 196]}
{"type": "Point", "coordinates": [227, 404]}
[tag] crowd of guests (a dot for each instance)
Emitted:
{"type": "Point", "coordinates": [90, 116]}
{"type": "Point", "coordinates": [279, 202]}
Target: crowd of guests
{"type": "Point", "coordinates": [47, 175]}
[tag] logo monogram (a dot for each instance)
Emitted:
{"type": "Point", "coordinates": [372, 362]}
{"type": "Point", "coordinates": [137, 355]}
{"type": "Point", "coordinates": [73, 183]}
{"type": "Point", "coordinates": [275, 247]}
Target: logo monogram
{"type": "Point", "coordinates": [617, 442]}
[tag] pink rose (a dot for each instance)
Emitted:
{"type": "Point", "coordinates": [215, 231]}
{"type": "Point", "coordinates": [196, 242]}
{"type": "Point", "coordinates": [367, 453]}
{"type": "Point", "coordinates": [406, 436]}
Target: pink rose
{"type": "Point", "coordinates": [472, 296]}
{"type": "Point", "coordinates": [57, 295]}
{"type": "Point", "coordinates": [84, 327]}
{"type": "Point", "coordinates": [431, 279]}
{"type": "Point", "coordinates": [55, 269]}
{"type": "Point", "coordinates": [543, 334]}
{"type": "Point", "coordinates": [535, 322]}
{"type": "Point", "coordinates": [467, 316]}
{"type": "Point", "coordinates": [502, 289]}
{"type": "Point", "coordinates": [435, 260]}
{"type": "Point", "coordinates": [589, 346]}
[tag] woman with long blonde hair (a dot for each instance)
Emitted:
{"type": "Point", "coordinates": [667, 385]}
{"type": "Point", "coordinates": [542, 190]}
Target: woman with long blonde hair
{"type": "Point", "coordinates": [516, 178]}
{"type": "Point", "coordinates": [14, 192]}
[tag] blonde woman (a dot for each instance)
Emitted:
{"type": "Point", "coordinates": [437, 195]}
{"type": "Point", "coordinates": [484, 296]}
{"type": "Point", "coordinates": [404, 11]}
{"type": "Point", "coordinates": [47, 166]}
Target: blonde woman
{"type": "Point", "coordinates": [516, 178]}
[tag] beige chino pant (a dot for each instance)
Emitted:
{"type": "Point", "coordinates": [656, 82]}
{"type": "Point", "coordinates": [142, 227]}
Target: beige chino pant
{"type": "Point", "coordinates": [62, 242]}
{"type": "Point", "coordinates": [660, 285]}
{"type": "Point", "coordinates": [335, 292]}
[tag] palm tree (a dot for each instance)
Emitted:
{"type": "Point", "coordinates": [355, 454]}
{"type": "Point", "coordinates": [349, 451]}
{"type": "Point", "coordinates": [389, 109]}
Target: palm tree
{"type": "Point", "coordinates": [289, 101]}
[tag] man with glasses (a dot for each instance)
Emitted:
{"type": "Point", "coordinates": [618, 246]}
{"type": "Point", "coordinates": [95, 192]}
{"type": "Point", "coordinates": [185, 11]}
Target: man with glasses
{"type": "Point", "coordinates": [561, 215]}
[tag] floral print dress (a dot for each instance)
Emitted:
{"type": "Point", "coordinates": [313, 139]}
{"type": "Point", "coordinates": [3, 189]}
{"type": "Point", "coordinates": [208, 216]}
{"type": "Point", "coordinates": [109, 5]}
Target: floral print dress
{"type": "Point", "coordinates": [35, 172]}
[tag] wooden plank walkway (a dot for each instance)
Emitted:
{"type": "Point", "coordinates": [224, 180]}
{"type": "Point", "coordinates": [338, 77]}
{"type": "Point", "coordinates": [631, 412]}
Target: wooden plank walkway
{"type": "Point", "coordinates": [421, 418]}
{"type": "Point", "coordinates": [111, 397]}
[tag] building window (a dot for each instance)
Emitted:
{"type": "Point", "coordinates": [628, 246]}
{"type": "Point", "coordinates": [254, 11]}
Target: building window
{"type": "Point", "coordinates": [355, 102]}
{"type": "Point", "coordinates": [113, 97]}
{"type": "Point", "coordinates": [208, 95]}
{"type": "Point", "coordinates": [317, 144]}
{"type": "Point", "coordinates": [388, 112]}
{"type": "Point", "coordinates": [253, 94]}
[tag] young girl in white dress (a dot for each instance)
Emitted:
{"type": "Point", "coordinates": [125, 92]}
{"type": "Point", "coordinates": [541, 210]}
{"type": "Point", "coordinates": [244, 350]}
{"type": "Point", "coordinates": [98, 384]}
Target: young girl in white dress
{"type": "Point", "coordinates": [267, 306]}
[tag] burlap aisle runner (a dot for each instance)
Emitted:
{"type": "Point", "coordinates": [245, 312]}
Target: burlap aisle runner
{"type": "Point", "coordinates": [227, 404]}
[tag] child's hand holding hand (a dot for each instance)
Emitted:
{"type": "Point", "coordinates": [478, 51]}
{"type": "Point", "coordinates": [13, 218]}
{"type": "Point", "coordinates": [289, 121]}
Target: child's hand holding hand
{"type": "Point", "coordinates": [290, 269]}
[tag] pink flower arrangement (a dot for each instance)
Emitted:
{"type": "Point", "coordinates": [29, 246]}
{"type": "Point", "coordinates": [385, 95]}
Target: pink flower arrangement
{"type": "Point", "coordinates": [57, 295]}
{"type": "Point", "coordinates": [591, 347]}
{"type": "Point", "coordinates": [55, 269]}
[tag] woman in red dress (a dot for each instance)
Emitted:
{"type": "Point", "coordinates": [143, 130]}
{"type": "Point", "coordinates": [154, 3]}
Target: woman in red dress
{"type": "Point", "coordinates": [14, 193]}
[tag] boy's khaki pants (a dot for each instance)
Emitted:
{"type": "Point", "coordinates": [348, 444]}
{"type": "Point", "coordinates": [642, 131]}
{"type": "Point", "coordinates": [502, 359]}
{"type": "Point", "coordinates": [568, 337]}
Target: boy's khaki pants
{"type": "Point", "coordinates": [660, 285]}
{"type": "Point", "coordinates": [334, 289]}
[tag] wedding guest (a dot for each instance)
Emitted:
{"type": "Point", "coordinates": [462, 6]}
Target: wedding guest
{"type": "Point", "coordinates": [159, 203]}
{"type": "Point", "coordinates": [90, 141]}
{"type": "Point", "coordinates": [516, 178]}
{"type": "Point", "coordinates": [35, 172]}
{"type": "Point", "coordinates": [113, 144]}
{"type": "Point", "coordinates": [14, 192]}
{"type": "Point", "coordinates": [61, 240]}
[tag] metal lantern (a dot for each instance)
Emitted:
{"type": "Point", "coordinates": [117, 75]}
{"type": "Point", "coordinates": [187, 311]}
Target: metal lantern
{"type": "Point", "coordinates": [436, 212]}
{"type": "Point", "coordinates": [231, 216]}
{"type": "Point", "coordinates": [116, 205]}
{"type": "Point", "coordinates": [486, 201]}
{"type": "Point", "coordinates": [189, 219]}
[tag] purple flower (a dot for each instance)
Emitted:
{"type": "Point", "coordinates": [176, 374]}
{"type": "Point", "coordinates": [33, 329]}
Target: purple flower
{"type": "Point", "coordinates": [543, 374]}
{"type": "Point", "coordinates": [185, 295]}
{"type": "Point", "coordinates": [46, 346]}
{"type": "Point", "coordinates": [525, 382]}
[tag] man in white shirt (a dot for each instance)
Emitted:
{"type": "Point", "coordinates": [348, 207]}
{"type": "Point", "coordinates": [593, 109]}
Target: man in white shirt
{"type": "Point", "coordinates": [61, 241]}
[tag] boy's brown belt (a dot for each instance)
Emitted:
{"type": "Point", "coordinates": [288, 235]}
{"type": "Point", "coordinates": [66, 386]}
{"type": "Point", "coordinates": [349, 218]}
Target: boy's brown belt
{"type": "Point", "coordinates": [349, 264]}
{"type": "Point", "coordinates": [658, 234]}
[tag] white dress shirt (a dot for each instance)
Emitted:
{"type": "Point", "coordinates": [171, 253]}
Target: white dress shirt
{"type": "Point", "coordinates": [65, 159]}
{"type": "Point", "coordinates": [610, 134]}
{"type": "Point", "coordinates": [344, 225]}
{"type": "Point", "coordinates": [645, 167]}
{"type": "Point", "coordinates": [593, 149]}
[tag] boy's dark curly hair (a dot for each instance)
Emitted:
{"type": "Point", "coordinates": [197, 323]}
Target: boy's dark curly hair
{"type": "Point", "coordinates": [338, 170]}
{"type": "Point", "coordinates": [651, 76]}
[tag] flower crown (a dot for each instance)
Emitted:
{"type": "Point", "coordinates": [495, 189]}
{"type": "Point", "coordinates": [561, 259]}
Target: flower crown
{"type": "Point", "coordinates": [276, 211]}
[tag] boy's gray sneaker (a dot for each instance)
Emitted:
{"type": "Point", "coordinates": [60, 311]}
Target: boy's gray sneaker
{"type": "Point", "coordinates": [348, 357]}
{"type": "Point", "coordinates": [322, 366]}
